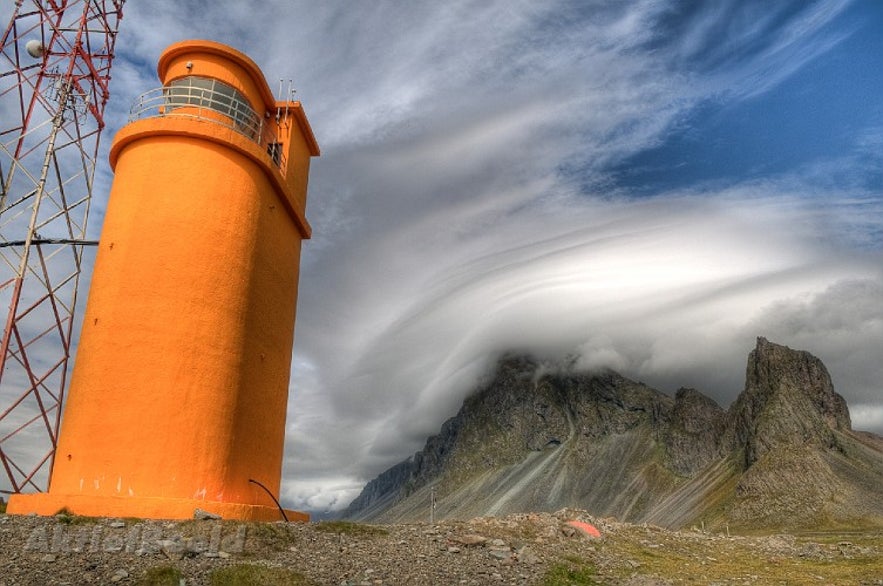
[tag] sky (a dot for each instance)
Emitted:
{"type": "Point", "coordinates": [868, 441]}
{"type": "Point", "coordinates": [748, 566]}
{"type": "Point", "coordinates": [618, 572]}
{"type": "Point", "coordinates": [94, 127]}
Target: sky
{"type": "Point", "coordinates": [645, 185]}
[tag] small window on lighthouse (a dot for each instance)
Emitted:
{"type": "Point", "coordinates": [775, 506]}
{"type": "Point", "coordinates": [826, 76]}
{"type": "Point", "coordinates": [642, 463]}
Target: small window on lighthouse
{"type": "Point", "coordinates": [274, 149]}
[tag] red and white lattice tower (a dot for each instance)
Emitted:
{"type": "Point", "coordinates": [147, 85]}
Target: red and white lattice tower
{"type": "Point", "coordinates": [54, 76]}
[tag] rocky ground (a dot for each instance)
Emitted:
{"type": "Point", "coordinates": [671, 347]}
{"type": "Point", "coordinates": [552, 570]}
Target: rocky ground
{"type": "Point", "coordinates": [527, 549]}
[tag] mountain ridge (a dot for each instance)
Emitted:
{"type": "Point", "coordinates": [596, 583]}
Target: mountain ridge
{"type": "Point", "coordinates": [539, 440]}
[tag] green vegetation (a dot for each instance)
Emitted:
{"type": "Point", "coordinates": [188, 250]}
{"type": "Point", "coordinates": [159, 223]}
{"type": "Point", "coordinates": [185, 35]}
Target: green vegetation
{"type": "Point", "coordinates": [161, 576]}
{"type": "Point", "coordinates": [722, 480]}
{"type": "Point", "coordinates": [703, 559]}
{"type": "Point", "coordinates": [278, 536]}
{"type": "Point", "coordinates": [349, 528]}
{"type": "Point", "coordinates": [571, 571]}
{"type": "Point", "coordinates": [268, 536]}
{"type": "Point", "coordinates": [253, 575]}
{"type": "Point", "coordinates": [2, 507]}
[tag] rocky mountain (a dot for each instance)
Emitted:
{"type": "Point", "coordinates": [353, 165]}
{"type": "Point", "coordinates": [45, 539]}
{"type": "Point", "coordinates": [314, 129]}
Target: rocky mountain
{"type": "Point", "coordinates": [536, 439]}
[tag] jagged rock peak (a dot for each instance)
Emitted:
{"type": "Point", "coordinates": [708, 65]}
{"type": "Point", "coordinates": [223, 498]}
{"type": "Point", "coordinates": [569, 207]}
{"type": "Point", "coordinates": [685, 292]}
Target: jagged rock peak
{"type": "Point", "coordinates": [694, 434]}
{"type": "Point", "coordinates": [788, 400]}
{"type": "Point", "coordinates": [780, 368]}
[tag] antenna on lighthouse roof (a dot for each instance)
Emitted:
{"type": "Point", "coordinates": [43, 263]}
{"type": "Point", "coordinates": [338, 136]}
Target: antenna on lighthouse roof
{"type": "Point", "coordinates": [288, 98]}
{"type": "Point", "coordinates": [279, 99]}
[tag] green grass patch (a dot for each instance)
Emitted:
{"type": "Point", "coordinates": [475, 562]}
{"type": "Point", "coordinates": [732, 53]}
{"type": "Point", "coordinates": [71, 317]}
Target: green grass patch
{"type": "Point", "coordinates": [270, 535]}
{"type": "Point", "coordinates": [253, 575]}
{"type": "Point", "coordinates": [570, 571]}
{"type": "Point", "coordinates": [350, 528]}
{"type": "Point", "coordinates": [695, 559]}
{"type": "Point", "coordinates": [161, 576]}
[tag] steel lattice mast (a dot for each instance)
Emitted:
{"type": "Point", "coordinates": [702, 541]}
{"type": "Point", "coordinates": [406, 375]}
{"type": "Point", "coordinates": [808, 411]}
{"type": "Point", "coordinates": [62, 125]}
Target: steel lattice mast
{"type": "Point", "coordinates": [54, 76]}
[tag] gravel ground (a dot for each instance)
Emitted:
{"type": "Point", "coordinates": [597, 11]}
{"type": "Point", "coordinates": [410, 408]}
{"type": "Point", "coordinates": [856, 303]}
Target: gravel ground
{"type": "Point", "coordinates": [526, 549]}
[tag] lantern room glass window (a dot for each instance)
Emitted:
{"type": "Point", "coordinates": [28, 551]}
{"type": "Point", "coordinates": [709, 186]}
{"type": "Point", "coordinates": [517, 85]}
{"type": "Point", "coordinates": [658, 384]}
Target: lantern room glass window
{"type": "Point", "coordinates": [215, 95]}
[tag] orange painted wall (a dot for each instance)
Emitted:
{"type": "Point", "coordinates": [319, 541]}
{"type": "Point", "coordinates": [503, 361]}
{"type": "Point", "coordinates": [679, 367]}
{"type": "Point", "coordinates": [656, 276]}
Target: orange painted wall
{"type": "Point", "coordinates": [180, 387]}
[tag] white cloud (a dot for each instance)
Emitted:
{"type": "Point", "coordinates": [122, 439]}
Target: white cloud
{"type": "Point", "coordinates": [866, 416]}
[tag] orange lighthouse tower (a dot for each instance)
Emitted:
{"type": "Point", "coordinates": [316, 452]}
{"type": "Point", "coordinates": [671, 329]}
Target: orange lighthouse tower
{"type": "Point", "coordinates": [179, 391]}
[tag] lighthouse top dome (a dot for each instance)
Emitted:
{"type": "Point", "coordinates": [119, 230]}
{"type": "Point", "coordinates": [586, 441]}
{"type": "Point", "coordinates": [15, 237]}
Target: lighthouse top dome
{"type": "Point", "coordinates": [215, 60]}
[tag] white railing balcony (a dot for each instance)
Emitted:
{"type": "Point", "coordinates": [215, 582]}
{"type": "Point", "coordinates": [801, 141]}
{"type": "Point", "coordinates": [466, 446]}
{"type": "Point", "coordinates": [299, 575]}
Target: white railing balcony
{"type": "Point", "coordinates": [210, 101]}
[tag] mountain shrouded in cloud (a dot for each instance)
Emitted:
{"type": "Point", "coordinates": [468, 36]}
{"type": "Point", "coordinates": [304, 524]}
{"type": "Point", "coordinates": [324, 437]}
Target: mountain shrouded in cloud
{"type": "Point", "coordinates": [641, 185]}
{"type": "Point", "coordinates": [544, 437]}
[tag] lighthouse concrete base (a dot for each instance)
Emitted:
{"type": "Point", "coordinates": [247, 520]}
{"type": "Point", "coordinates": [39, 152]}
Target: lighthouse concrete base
{"type": "Point", "coordinates": [48, 504]}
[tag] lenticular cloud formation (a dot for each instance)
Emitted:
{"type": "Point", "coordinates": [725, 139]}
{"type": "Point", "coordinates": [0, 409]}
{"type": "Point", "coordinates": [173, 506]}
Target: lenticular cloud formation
{"type": "Point", "coordinates": [671, 292]}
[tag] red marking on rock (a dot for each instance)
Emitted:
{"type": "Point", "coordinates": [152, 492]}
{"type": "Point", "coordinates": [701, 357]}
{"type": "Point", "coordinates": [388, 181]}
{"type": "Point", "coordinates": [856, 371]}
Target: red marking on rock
{"type": "Point", "coordinates": [586, 528]}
